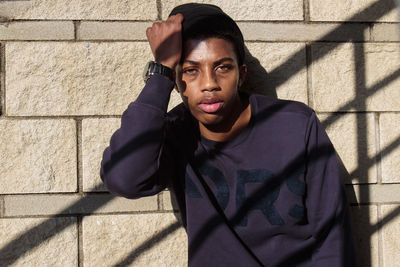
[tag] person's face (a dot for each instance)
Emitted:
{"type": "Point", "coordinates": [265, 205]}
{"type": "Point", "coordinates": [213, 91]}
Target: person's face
{"type": "Point", "coordinates": [208, 79]}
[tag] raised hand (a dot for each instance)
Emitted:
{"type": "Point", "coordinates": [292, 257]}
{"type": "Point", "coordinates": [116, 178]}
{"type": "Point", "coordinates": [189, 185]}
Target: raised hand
{"type": "Point", "coordinates": [165, 39]}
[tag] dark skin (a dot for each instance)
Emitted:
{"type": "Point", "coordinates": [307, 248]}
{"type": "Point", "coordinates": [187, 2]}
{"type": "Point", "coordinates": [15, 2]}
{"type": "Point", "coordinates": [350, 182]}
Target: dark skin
{"type": "Point", "coordinates": [208, 78]}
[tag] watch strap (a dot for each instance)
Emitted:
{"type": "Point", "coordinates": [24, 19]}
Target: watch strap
{"type": "Point", "coordinates": [154, 67]}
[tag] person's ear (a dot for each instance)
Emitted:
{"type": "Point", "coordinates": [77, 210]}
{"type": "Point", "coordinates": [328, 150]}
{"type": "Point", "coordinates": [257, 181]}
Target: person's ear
{"type": "Point", "coordinates": [242, 74]}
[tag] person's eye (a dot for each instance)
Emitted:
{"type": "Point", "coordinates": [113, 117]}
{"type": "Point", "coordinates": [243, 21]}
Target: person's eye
{"type": "Point", "coordinates": [224, 68]}
{"type": "Point", "coordinates": [190, 71]}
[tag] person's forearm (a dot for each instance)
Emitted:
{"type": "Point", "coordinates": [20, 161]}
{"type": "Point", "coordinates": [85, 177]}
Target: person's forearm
{"type": "Point", "coordinates": [130, 164]}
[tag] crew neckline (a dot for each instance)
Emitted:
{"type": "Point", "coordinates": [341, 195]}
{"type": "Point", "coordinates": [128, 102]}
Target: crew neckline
{"type": "Point", "coordinates": [210, 144]}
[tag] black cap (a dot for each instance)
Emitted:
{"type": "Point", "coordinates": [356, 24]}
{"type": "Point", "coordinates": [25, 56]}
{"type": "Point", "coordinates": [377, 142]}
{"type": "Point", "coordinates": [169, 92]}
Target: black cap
{"type": "Point", "coordinates": [205, 20]}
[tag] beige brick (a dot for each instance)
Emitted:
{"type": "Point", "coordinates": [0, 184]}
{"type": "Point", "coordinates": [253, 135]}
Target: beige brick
{"type": "Point", "coordinates": [84, 78]}
{"type": "Point", "coordinates": [20, 205]}
{"type": "Point", "coordinates": [94, 30]}
{"type": "Point", "coordinates": [342, 10]}
{"type": "Point", "coordinates": [373, 193]}
{"type": "Point", "coordinates": [386, 32]}
{"type": "Point", "coordinates": [357, 150]}
{"type": "Point", "coordinates": [267, 58]}
{"type": "Point", "coordinates": [79, 10]}
{"type": "Point", "coordinates": [37, 30]}
{"type": "Point", "coordinates": [108, 240]}
{"type": "Point", "coordinates": [37, 156]}
{"type": "Point", "coordinates": [259, 31]}
{"type": "Point", "coordinates": [390, 221]}
{"type": "Point", "coordinates": [96, 134]}
{"type": "Point", "coordinates": [174, 100]}
{"type": "Point", "coordinates": [249, 9]}
{"type": "Point", "coordinates": [356, 77]}
{"type": "Point", "coordinates": [390, 147]}
{"type": "Point", "coordinates": [365, 230]}
{"type": "Point", "coordinates": [47, 242]}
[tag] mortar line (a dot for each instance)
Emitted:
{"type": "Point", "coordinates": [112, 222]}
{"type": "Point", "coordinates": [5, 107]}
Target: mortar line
{"type": "Point", "coordinates": [3, 209]}
{"type": "Point", "coordinates": [81, 117]}
{"type": "Point", "coordinates": [306, 10]}
{"type": "Point", "coordinates": [143, 40]}
{"type": "Point", "coordinates": [79, 154]}
{"type": "Point", "coordinates": [55, 194]}
{"type": "Point", "coordinates": [380, 241]}
{"type": "Point", "coordinates": [310, 99]}
{"type": "Point", "coordinates": [80, 241]}
{"type": "Point", "coordinates": [3, 78]}
{"type": "Point", "coordinates": [16, 117]}
{"type": "Point", "coordinates": [76, 28]}
{"type": "Point", "coordinates": [159, 9]}
{"type": "Point", "coordinates": [160, 201]}
{"type": "Point", "coordinates": [370, 26]}
{"type": "Point", "coordinates": [69, 215]}
{"type": "Point", "coordinates": [378, 148]}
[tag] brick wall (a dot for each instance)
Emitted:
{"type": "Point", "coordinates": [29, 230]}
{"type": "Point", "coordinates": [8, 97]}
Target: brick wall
{"type": "Point", "coordinates": [69, 68]}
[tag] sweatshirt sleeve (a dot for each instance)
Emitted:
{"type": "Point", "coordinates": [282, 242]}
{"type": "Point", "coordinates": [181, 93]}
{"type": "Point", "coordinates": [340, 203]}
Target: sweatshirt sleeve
{"type": "Point", "coordinates": [327, 208]}
{"type": "Point", "coordinates": [134, 164]}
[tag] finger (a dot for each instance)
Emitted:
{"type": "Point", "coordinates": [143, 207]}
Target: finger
{"type": "Point", "coordinates": [178, 18]}
{"type": "Point", "coordinates": [148, 31]}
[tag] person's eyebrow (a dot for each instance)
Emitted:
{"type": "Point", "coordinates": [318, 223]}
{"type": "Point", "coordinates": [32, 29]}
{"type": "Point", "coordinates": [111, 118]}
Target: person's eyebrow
{"type": "Point", "coordinates": [190, 62]}
{"type": "Point", "coordinates": [219, 61]}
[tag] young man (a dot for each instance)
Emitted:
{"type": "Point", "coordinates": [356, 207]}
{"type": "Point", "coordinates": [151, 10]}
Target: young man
{"type": "Point", "coordinates": [256, 179]}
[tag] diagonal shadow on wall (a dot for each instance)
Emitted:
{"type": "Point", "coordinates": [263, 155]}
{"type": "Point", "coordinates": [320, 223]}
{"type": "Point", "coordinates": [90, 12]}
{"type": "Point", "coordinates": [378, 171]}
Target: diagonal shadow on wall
{"type": "Point", "coordinates": [374, 12]}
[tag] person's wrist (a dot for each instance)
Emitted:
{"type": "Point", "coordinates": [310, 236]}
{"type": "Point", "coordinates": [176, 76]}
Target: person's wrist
{"type": "Point", "coordinates": [167, 64]}
{"type": "Point", "coordinates": [154, 67]}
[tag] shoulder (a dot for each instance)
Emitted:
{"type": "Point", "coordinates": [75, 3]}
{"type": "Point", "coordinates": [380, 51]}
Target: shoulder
{"type": "Point", "coordinates": [266, 104]}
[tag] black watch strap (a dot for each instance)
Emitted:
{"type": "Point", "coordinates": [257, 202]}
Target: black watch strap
{"type": "Point", "coordinates": [153, 67]}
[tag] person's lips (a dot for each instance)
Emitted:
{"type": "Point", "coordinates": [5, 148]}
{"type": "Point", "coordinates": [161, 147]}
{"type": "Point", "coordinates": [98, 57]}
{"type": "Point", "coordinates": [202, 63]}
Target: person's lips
{"type": "Point", "coordinates": [211, 105]}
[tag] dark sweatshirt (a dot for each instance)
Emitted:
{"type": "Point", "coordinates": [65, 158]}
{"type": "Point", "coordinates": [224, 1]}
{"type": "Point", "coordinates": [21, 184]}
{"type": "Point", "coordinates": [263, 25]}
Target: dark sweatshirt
{"type": "Point", "coordinates": [272, 196]}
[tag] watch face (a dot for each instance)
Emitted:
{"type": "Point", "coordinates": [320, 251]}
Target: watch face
{"type": "Point", "coordinates": [146, 72]}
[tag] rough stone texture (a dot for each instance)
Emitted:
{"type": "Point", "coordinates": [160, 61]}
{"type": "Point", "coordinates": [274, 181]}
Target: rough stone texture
{"type": "Point", "coordinates": [248, 9]}
{"type": "Point", "coordinates": [373, 193]}
{"type": "Point", "coordinates": [385, 32]}
{"type": "Point", "coordinates": [79, 10]}
{"type": "Point", "coordinates": [37, 30]}
{"type": "Point", "coordinates": [390, 235]}
{"type": "Point", "coordinates": [17, 205]}
{"type": "Point", "coordinates": [83, 78]}
{"type": "Point", "coordinates": [258, 31]}
{"type": "Point", "coordinates": [174, 100]}
{"type": "Point", "coordinates": [342, 10]}
{"type": "Point", "coordinates": [59, 250]}
{"type": "Point", "coordinates": [390, 147]}
{"type": "Point", "coordinates": [368, 81]}
{"type": "Point", "coordinates": [357, 150]}
{"type": "Point", "coordinates": [364, 219]}
{"type": "Point", "coordinates": [37, 156]}
{"type": "Point", "coordinates": [268, 77]}
{"type": "Point", "coordinates": [108, 240]}
{"type": "Point", "coordinates": [94, 30]}
{"type": "Point", "coordinates": [96, 134]}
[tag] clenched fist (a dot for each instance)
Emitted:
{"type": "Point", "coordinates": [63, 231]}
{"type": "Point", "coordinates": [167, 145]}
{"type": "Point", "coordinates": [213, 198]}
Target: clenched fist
{"type": "Point", "coordinates": [165, 39]}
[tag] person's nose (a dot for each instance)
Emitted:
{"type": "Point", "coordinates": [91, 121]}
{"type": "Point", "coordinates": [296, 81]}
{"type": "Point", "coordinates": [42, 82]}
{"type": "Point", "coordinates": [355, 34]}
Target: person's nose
{"type": "Point", "coordinates": [209, 80]}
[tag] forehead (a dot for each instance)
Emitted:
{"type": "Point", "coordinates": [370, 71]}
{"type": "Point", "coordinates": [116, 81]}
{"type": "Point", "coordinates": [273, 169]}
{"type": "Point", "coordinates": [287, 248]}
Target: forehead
{"type": "Point", "coordinates": [208, 49]}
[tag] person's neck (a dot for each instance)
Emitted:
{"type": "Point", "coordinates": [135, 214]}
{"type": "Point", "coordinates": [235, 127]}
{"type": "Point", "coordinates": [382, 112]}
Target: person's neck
{"type": "Point", "coordinates": [230, 128]}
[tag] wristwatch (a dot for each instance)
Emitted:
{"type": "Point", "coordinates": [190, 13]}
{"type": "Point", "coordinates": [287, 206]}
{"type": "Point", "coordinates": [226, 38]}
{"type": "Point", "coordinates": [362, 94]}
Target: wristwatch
{"type": "Point", "coordinates": [153, 67]}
